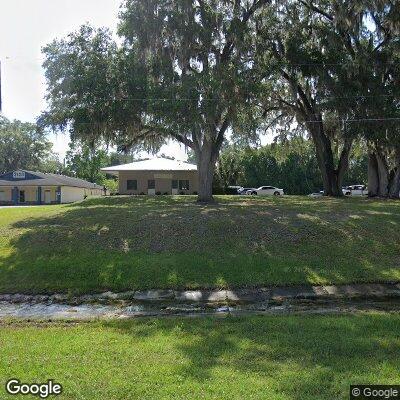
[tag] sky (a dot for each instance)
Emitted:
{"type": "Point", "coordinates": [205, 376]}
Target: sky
{"type": "Point", "coordinates": [28, 25]}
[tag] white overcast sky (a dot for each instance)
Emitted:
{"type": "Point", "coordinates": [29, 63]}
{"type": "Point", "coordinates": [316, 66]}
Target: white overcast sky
{"type": "Point", "coordinates": [25, 27]}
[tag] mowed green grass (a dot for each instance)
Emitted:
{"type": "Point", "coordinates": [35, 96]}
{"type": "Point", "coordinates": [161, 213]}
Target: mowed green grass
{"type": "Point", "coordinates": [275, 357]}
{"type": "Point", "coordinates": [123, 243]}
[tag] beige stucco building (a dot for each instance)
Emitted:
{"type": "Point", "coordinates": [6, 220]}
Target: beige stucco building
{"type": "Point", "coordinates": [27, 187]}
{"type": "Point", "coordinates": [156, 176]}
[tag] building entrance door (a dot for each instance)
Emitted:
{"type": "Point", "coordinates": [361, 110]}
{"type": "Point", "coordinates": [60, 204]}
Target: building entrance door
{"type": "Point", "coordinates": [47, 196]}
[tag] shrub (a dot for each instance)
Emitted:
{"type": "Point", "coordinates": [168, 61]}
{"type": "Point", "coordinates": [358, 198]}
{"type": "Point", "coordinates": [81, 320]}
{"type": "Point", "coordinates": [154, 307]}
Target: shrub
{"type": "Point", "coordinates": [158, 193]}
{"type": "Point", "coordinates": [111, 185]}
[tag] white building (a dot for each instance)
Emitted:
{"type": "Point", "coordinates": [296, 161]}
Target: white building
{"type": "Point", "coordinates": [156, 176]}
{"type": "Point", "coordinates": [28, 187]}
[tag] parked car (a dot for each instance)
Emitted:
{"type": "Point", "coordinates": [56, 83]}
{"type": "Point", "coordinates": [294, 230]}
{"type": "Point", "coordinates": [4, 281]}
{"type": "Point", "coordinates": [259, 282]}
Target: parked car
{"type": "Point", "coordinates": [355, 190]}
{"type": "Point", "coordinates": [266, 191]}
{"type": "Point", "coordinates": [232, 190]}
{"type": "Point", "coordinates": [316, 194]}
{"type": "Point", "coordinates": [243, 191]}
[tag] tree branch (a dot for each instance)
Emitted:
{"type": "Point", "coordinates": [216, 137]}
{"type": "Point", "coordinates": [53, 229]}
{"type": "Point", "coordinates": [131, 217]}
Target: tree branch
{"type": "Point", "coordinates": [344, 157]}
{"type": "Point", "coordinates": [274, 120]}
{"type": "Point", "coordinates": [222, 130]}
{"type": "Point", "coordinates": [229, 46]}
{"type": "Point", "coordinates": [317, 10]}
{"type": "Point", "coordinates": [386, 32]}
{"type": "Point", "coordinates": [290, 105]}
{"type": "Point", "coordinates": [183, 139]}
{"type": "Point", "coordinates": [299, 90]}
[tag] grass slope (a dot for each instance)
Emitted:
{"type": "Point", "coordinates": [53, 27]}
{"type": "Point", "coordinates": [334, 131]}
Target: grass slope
{"type": "Point", "coordinates": [277, 358]}
{"type": "Point", "coordinates": [171, 242]}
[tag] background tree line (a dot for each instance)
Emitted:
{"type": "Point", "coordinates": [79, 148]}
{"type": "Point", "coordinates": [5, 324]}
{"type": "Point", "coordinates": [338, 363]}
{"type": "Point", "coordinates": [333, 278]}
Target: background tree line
{"type": "Point", "coordinates": [25, 146]}
{"type": "Point", "coordinates": [290, 165]}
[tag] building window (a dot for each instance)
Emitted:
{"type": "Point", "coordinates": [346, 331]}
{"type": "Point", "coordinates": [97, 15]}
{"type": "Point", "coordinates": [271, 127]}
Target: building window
{"type": "Point", "coordinates": [22, 196]}
{"type": "Point", "coordinates": [174, 184]}
{"type": "Point", "coordinates": [151, 184]}
{"type": "Point", "coordinates": [184, 185]}
{"type": "Point", "coordinates": [131, 184]}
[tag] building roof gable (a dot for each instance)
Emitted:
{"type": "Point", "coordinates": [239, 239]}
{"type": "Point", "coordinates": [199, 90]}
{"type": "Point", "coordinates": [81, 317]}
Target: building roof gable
{"type": "Point", "coordinates": [30, 178]}
{"type": "Point", "coordinates": [154, 164]}
{"type": "Point", "coordinates": [20, 175]}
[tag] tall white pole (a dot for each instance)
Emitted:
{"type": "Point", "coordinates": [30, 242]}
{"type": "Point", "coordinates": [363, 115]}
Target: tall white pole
{"type": "Point", "coordinates": [0, 89]}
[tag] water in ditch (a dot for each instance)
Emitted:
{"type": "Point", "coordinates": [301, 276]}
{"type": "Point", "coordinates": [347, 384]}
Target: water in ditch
{"type": "Point", "coordinates": [57, 311]}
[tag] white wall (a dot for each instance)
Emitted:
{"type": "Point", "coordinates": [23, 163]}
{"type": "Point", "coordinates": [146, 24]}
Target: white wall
{"type": "Point", "coordinates": [94, 192]}
{"type": "Point", "coordinates": [5, 194]}
{"type": "Point", "coordinates": [72, 194]}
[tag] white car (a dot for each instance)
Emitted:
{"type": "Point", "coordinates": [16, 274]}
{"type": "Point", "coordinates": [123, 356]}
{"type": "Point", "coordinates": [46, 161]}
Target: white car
{"type": "Point", "coordinates": [266, 191]}
{"type": "Point", "coordinates": [355, 190]}
{"type": "Point", "coordinates": [243, 190]}
{"type": "Point", "coordinates": [316, 194]}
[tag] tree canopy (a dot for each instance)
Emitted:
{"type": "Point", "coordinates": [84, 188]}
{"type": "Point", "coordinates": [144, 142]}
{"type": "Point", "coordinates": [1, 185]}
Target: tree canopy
{"type": "Point", "coordinates": [85, 162]}
{"type": "Point", "coordinates": [198, 71]}
{"type": "Point", "coordinates": [323, 56]}
{"type": "Point", "coordinates": [182, 72]}
{"type": "Point", "coordinates": [23, 146]}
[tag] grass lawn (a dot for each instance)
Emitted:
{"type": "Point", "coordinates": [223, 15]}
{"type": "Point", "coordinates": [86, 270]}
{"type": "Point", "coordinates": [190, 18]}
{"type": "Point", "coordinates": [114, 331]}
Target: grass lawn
{"type": "Point", "coordinates": [171, 242]}
{"type": "Point", "coordinates": [275, 357]}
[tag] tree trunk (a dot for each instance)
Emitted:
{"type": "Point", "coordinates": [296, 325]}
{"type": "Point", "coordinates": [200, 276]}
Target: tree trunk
{"type": "Point", "coordinates": [383, 175]}
{"type": "Point", "coordinates": [334, 186]}
{"type": "Point", "coordinates": [206, 159]}
{"type": "Point", "coordinates": [373, 176]}
{"type": "Point", "coordinates": [394, 191]}
{"type": "Point", "coordinates": [394, 186]}
{"type": "Point", "coordinates": [382, 180]}
{"type": "Point", "coordinates": [332, 178]}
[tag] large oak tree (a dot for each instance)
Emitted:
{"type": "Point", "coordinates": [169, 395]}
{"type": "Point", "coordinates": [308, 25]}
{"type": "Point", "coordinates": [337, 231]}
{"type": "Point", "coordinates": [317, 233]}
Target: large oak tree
{"type": "Point", "coordinates": [182, 71]}
{"type": "Point", "coordinates": [322, 56]}
{"type": "Point", "coordinates": [383, 106]}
